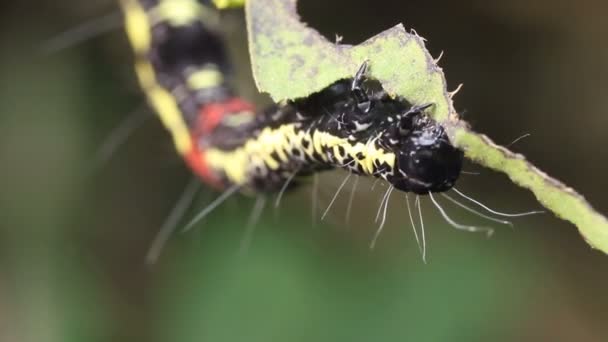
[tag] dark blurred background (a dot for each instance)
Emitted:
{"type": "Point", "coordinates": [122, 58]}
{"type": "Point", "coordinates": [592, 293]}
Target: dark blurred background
{"type": "Point", "coordinates": [74, 233]}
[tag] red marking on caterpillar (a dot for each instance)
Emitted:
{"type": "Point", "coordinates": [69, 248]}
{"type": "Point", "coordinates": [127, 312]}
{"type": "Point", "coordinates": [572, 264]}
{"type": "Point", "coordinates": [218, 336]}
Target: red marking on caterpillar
{"type": "Point", "coordinates": [196, 161]}
{"type": "Point", "coordinates": [212, 114]}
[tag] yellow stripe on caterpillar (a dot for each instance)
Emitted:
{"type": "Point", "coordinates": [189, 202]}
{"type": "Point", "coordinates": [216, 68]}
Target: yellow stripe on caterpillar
{"type": "Point", "coordinates": [207, 77]}
{"type": "Point", "coordinates": [136, 25]}
{"type": "Point", "coordinates": [183, 13]}
{"type": "Point", "coordinates": [170, 115]}
{"type": "Point", "coordinates": [160, 99]}
{"type": "Point", "coordinates": [177, 12]}
{"type": "Point", "coordinates": [238, 164]}
{"type": "Point", "coordinates": [238, 119]}
{"type": "Point", "coordinates": [222, 4]}
{"type": "Point", "coordinates": [165, 106]}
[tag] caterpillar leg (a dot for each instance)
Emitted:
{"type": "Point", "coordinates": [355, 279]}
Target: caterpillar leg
{"type": "Point", "coordinates": [363, 101]}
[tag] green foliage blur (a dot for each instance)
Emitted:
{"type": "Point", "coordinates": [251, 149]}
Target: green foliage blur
{"type": "Point", "coordinates": [74, 229]}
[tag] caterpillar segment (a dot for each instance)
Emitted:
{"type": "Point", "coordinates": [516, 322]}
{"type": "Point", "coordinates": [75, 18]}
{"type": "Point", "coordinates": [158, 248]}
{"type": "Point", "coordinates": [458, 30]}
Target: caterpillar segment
{"type": "Point", "coordinates": [182, 67]}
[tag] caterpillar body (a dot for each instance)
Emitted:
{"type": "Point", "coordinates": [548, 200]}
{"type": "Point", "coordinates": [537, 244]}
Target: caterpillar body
{"type": "Point", "coordinates": [182, 67]}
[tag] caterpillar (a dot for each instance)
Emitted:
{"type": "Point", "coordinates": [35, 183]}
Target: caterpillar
{"type": "Point", "coordinates": [182, 66]}
{"type": "Point", "coordinates": [353, 124]}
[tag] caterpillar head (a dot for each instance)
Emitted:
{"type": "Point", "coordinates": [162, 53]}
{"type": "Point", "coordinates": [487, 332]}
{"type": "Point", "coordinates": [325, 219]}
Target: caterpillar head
{"type": "Point", "coordinates": [425, 160]}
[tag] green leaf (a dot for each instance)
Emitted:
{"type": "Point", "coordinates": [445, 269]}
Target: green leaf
{"type": "Point", "coordinates": [291, 60]}
{"type": "Point", "coordinates": [551, 193]}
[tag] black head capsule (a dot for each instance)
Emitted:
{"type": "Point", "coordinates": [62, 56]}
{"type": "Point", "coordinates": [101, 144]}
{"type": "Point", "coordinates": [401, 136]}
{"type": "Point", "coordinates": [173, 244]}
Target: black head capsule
{"type": "Point", "coordinates": [426, 161]}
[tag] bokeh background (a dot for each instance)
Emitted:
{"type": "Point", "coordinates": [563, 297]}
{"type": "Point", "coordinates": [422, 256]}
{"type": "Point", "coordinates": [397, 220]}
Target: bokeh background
{"type": "Point", "coordinates": [74, 231]}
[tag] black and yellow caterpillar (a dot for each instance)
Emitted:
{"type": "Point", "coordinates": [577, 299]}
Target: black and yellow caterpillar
{"type": "Point", "coordinates": [182, 65]}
